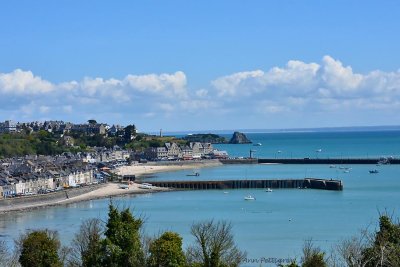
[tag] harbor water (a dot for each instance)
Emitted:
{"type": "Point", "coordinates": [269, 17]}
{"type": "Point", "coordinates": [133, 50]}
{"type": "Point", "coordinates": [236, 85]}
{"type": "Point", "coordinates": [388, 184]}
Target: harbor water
{"type": "Point", "coordinates": [276, 223]}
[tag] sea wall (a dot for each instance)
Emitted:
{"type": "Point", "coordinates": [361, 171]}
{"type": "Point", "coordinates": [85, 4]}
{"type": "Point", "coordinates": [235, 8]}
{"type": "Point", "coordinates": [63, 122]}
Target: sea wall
{"type": "Point", "coordinates": [309, 183]}
{"type": "Point", "coordinates": [48, 198]}
{"type": "Point", "coordinates": [239, 161]}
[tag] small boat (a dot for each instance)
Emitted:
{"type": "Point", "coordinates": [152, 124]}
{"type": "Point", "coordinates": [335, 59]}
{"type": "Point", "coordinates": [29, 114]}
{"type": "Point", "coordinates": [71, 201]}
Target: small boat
{"type": "Point", "coordinates": [346, 171]}
{"type": "Point", "coordinates": [226, 192]}
{"type": "Point", "coordinates": [318, 150]}
{"type": "Point", "coordinates": [332, 166]}
{"type": "Point", "coordinates": [268, 190]}
{"type": "Point", "coordinates": [374, 171]}
{"type": "Point", "coordinates": [193, 174]}
{"type": "Point", "coordinates": [145, 186]}
{"type": "Point", "coordinates": [257, 144]}
{"type": "Point", "coordinates": [249, 197]}
{"type": "Point", "coordinates": [124, 186]}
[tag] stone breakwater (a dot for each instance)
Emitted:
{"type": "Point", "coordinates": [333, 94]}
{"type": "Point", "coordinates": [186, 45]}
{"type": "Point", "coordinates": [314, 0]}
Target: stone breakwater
{"type": "Point", "coordinates": [308, 183]}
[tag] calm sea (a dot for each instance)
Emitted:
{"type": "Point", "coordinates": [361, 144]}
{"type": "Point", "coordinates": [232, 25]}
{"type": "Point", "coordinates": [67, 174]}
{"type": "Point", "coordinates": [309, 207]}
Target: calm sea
{"type": "Point", "coordinates": [276, 224]}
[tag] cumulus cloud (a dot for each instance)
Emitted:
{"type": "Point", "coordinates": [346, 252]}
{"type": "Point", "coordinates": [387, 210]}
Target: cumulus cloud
{"type": "Point", "coordinates": [238, 83]}
{"type": "Point", "coordinates": [300, 85]}
{"type": "Point", "coordinates": [29, 94]}
{"type": "Point", "coordinates": [168, 84]}
{"type": "Point", "coordinates": [300, 88]}
{"type": "Point", "coordinates": [23, 82]}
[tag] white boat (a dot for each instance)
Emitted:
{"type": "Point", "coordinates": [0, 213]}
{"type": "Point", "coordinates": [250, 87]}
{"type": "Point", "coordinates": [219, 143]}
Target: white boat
{"type": "Point", "coordinates": [332, 166]}
{"type": "Point", "coordinates": [249, 197]}
{"type": "Point", "coordinates": [374, 171]}
{"type": "Point", "coordinates": [318, 150]}
{"type": "Point", "coordinates": [145, 186]}
{"type": "Point", "coordinates": [268, 190]}
{"type": "Point", "coordinates": [257, 144]}
{"type": "Point", "coordinates": [124, 186]}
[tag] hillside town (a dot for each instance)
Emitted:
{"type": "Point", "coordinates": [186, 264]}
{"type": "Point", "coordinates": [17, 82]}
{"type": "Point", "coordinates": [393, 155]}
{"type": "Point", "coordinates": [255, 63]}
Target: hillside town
{"type": "Point", "coordinates": [41, 174]}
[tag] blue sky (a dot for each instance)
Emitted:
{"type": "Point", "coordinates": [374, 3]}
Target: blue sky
{"type": "Point", "coordinates": [197, 65]}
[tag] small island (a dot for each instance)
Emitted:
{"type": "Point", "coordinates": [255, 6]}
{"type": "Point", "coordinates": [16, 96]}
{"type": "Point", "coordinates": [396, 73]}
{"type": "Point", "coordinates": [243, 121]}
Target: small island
{"type": "Point", "coordinates": [239, 138]}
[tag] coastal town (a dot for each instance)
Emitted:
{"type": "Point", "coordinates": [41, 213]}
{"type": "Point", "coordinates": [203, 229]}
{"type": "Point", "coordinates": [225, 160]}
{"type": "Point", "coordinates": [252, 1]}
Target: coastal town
{"type": "Point", "coordinates": [42, 174]}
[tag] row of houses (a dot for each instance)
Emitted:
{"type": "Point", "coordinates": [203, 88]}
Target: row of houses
{"type": "Point", "coordinates": [174, 151]}
{"type": "Point", "coordinates": [23, 176]}
{"type": "Point", "coordinates": [8, 127]}
{"type": "Point", "coordinates": [62, 127]}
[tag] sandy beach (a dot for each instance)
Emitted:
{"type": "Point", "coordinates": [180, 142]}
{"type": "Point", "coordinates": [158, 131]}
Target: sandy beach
{"type": "Point", "coordinates": [149, 168]}
{"type": "Point", "coordinates": [102, 191]}
{"type": "Point", "coordinates": [105, 190]}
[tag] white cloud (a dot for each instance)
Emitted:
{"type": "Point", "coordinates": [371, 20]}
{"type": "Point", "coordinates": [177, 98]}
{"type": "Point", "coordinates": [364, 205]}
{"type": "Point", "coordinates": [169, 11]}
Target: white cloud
{"type": "Point", "coordinates": [297, 88]}
{"type": "Point", "coordinates": [238, 83]}
{"type": "Point", "coordinates": [167, 84]}
{"type": "Point", "coordinates": [23, 82]}
{"type": "Point", "coordinates": [337, 78]}
{"type": "Point", "coordinates": [311, 86]}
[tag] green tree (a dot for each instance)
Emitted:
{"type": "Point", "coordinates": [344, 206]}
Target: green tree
{"type": "Point", "coordinates": [384, 251]}
{"type": "Point", "coordinates": [312, 256]}
{"type": "Point", "coordinates": [86, 245]}
{"type": "Point", "coordinates": [166, 251]}
{"type": "Point", "coordinates": [129, 132]}
{"type": "Point", "coordinates": [122, 244]}
{"type": "Point", "coordinates": [40, 249]}
{"type": "Point", "coordinates": [291, 264]}
{"type": "Point", "coordinates": [214, 245]}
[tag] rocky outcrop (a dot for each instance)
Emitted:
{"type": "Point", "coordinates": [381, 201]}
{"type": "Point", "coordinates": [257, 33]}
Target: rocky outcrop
{"type": "Point", "coordinates": [239, 138]}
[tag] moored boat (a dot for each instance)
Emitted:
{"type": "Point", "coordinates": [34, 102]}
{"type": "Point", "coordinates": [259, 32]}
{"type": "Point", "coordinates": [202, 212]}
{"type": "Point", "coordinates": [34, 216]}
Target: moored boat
{"type": "Point", "coordinates": [249, 197]}
{"type": "Point", "coordinates": [145, 186]}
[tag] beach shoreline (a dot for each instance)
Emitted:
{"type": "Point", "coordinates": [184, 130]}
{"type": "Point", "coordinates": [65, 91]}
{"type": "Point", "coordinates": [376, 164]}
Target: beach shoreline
{"type": "Point", "coordinates": [101, 191]}
{"type": "Point", "coordinates": [143, 169]}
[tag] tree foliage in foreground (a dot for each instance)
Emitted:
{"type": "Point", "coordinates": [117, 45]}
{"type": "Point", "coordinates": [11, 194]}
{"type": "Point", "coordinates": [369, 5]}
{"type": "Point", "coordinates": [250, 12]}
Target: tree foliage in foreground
{"type": "Point", "coordinates": [167, 251]}
{"type": "Point", "coordinates": [214, 245]}
{"type": "Point", "coordinates": [385, 249]}
{"type": "Point", "coordinates": [86, 246]}
{"type": "Point", "coordinates": [40, 249]}
{"type": "Point", "coordinates": [122, 244]}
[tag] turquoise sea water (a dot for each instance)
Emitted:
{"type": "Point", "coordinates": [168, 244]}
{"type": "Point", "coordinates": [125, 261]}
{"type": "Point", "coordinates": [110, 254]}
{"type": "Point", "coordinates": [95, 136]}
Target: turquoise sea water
{"type": "Point", "coordinates": [277, 223]}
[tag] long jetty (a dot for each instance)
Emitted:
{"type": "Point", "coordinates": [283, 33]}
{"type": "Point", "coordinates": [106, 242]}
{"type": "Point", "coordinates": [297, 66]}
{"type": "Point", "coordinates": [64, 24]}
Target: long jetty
{"type": "Point", "coordinates": [309, 161]}
{"type": "Point", "coordinates": [307, 183]}
{"type": "Point", "coordinates": [328, 161]}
